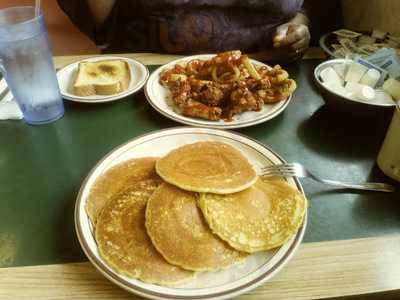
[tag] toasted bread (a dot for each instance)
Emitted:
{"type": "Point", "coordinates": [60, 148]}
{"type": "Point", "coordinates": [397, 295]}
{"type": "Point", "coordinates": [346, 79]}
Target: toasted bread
{"type": "Point", "coordinates": [105, 77]}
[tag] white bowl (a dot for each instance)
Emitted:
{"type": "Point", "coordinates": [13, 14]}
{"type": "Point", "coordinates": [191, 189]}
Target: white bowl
{"type": "Point", "coordinates": [342, 102]}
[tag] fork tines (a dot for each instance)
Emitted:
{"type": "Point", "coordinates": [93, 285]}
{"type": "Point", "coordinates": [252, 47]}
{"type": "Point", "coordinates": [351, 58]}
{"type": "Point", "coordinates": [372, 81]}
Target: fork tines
{"type": "Point", "coordinates": [279, 170]}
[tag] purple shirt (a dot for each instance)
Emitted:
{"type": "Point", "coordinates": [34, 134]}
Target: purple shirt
{"type": "Point", "coordinates": [186, 26]}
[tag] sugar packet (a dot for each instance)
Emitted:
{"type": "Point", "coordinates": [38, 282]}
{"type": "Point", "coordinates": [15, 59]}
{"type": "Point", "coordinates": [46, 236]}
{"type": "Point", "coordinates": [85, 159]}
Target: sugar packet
{"type": "Point", "coordinates": [393, 38]}
{"type": "Point", "coordinates": [392, 43]}
{"type": "Point", "coordinates": [366, 40]}
{"type": "Point", "coordinates": [367, 49]}
{"type": "Point", "coordinates": [388, 60]}
{"type": "Point", "coordinates": [380, 56]}
{"type": "Point", "coordinates": [378, 34]}
{"type": "Point", "coordinates": [392, 66]}
{"type": "Point", "coordinates": [347, 33]}
{"type": "Point", "coordinates": [340, 53]}
{"type": "Point", "coordinates": [336, 46]}
{"type": "Point", "coordinates": [349, 45]}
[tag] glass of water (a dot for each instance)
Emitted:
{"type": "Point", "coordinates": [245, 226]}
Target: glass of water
{"type": "Point", "coordinates": [26, 61]}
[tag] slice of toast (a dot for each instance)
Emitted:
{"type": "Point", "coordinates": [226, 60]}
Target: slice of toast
{"type": "Point", "coordinates": [105, 77]}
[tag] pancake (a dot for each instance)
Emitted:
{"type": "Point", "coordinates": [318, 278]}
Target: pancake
{"type": "Point", "coordinates": [115, 180]}
{"type": "Point", "coordinates": [123, 242]}
{"type": "Point", "coordinates": [179, 232]}
{"type": "Point", "coordinates": [209, 167]}
{"type": "Point", "coordinates": [260, 218]}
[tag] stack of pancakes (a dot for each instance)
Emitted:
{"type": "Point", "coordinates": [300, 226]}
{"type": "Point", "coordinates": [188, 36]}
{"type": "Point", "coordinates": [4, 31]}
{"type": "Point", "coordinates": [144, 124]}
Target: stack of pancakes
{"type": "Point", "coordinates": [199, 208]}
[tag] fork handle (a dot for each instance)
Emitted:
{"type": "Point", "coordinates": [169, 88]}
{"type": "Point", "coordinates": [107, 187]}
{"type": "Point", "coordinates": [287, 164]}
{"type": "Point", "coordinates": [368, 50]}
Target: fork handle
{"type": "Point", "coordinates": [368, 186]}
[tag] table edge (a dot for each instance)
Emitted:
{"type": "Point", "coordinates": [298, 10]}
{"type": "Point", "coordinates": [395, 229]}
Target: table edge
{"type": "Point", "coordinates": [319, 270]}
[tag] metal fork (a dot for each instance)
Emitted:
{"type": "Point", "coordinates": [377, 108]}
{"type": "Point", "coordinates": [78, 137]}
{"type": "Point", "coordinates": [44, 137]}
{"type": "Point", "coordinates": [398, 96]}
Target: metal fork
{"type": "Point", "coordinates": [297, 170]}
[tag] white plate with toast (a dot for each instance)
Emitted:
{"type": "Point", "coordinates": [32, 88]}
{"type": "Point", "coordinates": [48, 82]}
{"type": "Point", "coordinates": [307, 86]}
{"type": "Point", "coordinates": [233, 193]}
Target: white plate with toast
{"type": "Point", "coordinates": [101, 79]}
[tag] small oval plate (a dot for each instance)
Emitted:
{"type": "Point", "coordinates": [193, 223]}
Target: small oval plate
{"type": "Point", "coordinates": [66, 77]}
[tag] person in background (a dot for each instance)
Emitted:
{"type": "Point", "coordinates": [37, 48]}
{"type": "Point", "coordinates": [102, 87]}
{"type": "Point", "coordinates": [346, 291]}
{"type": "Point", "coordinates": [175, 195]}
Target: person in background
{"type": "Point", "coordinates": [268, 29]}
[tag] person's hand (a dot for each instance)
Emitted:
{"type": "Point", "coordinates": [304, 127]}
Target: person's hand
{"type": "Point", "coordinates": [292, 40]}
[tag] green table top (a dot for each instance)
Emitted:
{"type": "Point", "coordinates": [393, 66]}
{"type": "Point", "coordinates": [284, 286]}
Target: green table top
{"type": "Point", "coordinates": [42, 168]}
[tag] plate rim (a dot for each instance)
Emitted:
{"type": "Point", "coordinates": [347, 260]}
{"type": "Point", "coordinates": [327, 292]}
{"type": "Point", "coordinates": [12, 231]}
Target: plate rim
{"type": "Point", "coordinates": [199, 123]}
{"type": "Point", "coordinates": [324, 46]}
{"type": "Point", "coordinates": [109, 98]}
{"type": "Point", "coordinates": [151, 294]}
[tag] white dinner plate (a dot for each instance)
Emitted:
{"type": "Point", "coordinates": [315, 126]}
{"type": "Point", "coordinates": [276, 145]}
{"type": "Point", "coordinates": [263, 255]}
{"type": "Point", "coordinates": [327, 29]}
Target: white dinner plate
{"type": "Point", "coordinates": [159, 97]}
{"type": "Point", "coordinates": [257, 268]}
{"type": "Point", "coordinates": [66, 77]}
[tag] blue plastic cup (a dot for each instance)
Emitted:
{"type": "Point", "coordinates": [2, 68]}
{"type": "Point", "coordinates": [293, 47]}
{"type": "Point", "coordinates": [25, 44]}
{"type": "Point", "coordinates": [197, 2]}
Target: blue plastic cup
{"type": "Point", "coordinates": [27, 64]}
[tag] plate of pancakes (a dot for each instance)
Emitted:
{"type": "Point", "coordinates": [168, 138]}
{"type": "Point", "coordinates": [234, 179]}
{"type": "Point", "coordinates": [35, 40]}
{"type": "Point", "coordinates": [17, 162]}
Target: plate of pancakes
{"type": "Point", "coordinates": [181, 213]}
